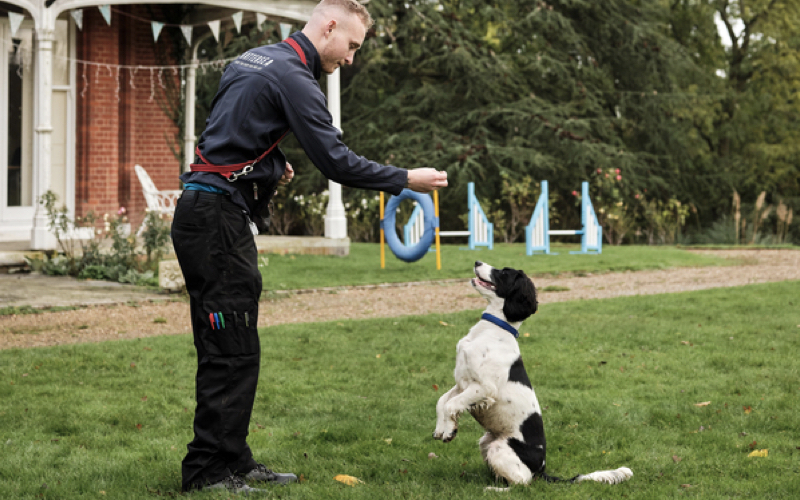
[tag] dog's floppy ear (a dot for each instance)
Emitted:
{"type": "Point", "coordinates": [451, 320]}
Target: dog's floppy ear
{"type": "Point", "coordinates": [518, 291]}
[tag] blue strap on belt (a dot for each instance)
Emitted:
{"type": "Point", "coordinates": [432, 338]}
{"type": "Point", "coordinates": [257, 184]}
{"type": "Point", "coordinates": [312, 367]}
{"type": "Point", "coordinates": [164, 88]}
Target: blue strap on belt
{"type": "Point", "coordinates": [199, 186]}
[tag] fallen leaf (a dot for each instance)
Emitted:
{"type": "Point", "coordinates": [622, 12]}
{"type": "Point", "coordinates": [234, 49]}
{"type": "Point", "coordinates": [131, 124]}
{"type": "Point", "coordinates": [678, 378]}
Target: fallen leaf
{"type": "Point", "coordinates": [759, 453]}
{"type": "Point", "coordinates": [432, 455]}
{"type": "Point", "coordinates": [526, 334]}
{"type": "Point", "coordinates": [377, 355]}
{"type": "Point", "coordinates": [388, 441]}
{"type": "Point", "coordinates": [435, 387]}
{"type": "Point", "coordinates": [144, 398]}
{"type": "Point", "coordinates": [686, 486]}
{"type": "Point", "coordinates": [133, 365]}
{"type": "Point", "coordinates": [138, 427]}
{"type": "Point", "coordinates": [753, 445]}
{"type": "Point", "coordinates": [747, 409]}
{"type": "Point", "coordinates": [301, 479]}
{"type": "Point", "coordinates": [348, 480]}
{"type": "Point", "coordinates": [676, 458]}
{"type": "Point", "coordinates": [621, 369]}
{"type": "Point", "coordinates": [443, 323]}
{"type": "Point", "coordinates": [704, 403]}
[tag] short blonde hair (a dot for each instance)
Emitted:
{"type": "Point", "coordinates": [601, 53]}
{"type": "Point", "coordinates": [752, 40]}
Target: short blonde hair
{"type": "Point", "coordinates": [351, 6]}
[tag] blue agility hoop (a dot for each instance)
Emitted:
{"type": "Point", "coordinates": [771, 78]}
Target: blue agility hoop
{"type": "Point", "coordinates": [415, 252]}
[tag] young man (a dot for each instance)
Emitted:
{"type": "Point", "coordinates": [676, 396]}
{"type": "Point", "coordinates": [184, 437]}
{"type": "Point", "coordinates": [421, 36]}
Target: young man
{"type": "Point", "coordinates": [265, 93]}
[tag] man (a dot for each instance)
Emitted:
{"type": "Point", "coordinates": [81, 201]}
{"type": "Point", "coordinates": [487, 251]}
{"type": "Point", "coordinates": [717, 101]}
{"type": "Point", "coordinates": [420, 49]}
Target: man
{"type": "Point", "coordinates": [262, 95]}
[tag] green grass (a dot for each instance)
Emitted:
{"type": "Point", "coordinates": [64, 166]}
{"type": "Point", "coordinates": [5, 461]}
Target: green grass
{"type": "Point", "coordinates": [12, 310]}
{"type": "Point", "coordinates": [363, 265]}
{"type": "Point", "coordinates": [618, 379]}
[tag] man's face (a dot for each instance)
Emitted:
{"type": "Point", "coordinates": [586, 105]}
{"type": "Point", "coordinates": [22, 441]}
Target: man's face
{"type": "Point", "coordinates": [344, 38]}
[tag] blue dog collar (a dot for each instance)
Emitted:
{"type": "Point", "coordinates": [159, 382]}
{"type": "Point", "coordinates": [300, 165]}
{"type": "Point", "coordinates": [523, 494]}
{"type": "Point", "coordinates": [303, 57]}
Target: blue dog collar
{"type": "Point", "coordinates": [502, 324]}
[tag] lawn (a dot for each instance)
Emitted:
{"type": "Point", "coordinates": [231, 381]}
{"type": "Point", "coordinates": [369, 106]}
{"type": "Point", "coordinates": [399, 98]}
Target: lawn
{"type": "Point", "coordinates": [681, 388]}
{"type": "Point", "coordinates": [363, 265]}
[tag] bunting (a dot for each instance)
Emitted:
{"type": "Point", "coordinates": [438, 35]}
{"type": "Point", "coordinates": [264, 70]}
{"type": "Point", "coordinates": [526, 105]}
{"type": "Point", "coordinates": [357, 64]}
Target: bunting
{"type": "Point", "coordinates": [237, 21]}
{"type": "Point", "coordinates": [156, 26]}
{"type": "Point", "coordinates": [285, 30]}
{"type": "Point", "coordinates": [156, 29]}
{"type": "Point", "coordinates": [105, 10]}
{"type": "Point", "coordinates": [187, 33]}
{"type": "Point", "coordinates": [15, 20]}
{"type": "Point", "coordinates": [260, 18]}
{"type": "Point", "coordinates": [214, 25]}
{"type": "Point", "coordinates": [77, 16]}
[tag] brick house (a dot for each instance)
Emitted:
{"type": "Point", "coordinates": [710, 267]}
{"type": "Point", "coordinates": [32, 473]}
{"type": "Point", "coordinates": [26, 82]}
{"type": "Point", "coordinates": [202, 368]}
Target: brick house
{"type": "Point", "coordinates": [83, 85]}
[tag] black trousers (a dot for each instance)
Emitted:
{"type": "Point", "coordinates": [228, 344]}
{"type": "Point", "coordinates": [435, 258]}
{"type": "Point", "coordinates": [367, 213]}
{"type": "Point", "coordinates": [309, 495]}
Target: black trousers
{"type": "Point", "coordinates": [219, 261]}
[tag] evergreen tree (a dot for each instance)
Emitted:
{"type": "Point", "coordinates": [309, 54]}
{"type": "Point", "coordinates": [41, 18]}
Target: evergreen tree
{"type": "Point", "coordinates": [553, 91]}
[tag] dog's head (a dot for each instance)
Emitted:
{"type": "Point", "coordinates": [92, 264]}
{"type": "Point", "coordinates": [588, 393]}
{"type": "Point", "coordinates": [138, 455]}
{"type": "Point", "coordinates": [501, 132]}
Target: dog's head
{"type": "Point", "coordinates": [510, 286]}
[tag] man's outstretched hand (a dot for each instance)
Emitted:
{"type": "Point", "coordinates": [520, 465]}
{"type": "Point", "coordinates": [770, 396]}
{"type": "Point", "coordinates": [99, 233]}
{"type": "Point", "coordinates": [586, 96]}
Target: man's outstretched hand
{"type": "Point", "coordinates": [425, 180]}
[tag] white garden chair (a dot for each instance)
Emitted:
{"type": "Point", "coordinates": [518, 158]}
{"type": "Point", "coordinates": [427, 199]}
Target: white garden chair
{"type": "Point", "coordinates": [161, 202]}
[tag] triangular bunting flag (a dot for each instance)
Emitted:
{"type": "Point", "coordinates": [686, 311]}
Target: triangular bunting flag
{"type": "Point", "coordinates": [77, 16]}
{"type": "Point", "coordinates": [285, 30]}
{"type": "Point", "coordinates": [156, 29]}
{"type": "Point", "coordinates": [237, 20]}
{"type": "Point", "coordinates": [106, 11]}
{"type": "Point", "coordinates": [187, 33]}
{"type": "Point", "coordinates": [15, 20]}
{"type": "Point", "coordinates": [214, 25]}
{"type": "Point", "coordinates": [260, 18]}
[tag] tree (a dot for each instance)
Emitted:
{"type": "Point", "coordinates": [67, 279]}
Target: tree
{"type": "Point", "coordinates": [747, 120]}
{"type": "Point", "coordinates": [548, 90]}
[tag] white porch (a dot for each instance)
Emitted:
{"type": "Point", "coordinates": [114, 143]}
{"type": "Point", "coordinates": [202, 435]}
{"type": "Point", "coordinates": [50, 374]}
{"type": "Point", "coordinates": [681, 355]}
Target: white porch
{"type": "Point", "coordinates": [42, 49]}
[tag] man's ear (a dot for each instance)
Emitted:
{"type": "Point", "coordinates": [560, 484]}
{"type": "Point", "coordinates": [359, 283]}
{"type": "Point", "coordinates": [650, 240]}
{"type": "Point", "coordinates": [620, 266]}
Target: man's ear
{"type": "Point", "coordinates": [330, 26]}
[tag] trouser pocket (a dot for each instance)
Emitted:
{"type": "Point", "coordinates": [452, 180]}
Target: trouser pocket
{"type": "Point", "coordinates": [230, 327]}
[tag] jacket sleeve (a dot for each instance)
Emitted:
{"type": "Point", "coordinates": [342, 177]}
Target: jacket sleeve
{"type": "Point", "coordinates": [311, 122]}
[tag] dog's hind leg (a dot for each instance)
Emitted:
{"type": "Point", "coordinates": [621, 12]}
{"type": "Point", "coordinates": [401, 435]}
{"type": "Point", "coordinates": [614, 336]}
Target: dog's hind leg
{"type": "Point", "coordinates": [446, 425]}
{"type": "Point", "coordinates": [485, 441]}
{"type": "Point", "coordinates": [504, 462]}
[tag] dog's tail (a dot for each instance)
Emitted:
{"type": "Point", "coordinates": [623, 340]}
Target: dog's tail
{"type": "Point", "coordinates": [601, 476]}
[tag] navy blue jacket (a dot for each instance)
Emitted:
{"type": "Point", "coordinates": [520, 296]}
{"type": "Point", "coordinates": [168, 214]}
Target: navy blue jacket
{"type": "Point", "coordinates": [263, 93]}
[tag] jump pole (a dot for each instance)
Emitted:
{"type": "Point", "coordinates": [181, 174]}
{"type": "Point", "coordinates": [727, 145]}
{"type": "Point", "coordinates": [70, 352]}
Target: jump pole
{"type": "Point", "coordinates": [383, 257]}
{"type": "Point", "coordinates": [436, 214]}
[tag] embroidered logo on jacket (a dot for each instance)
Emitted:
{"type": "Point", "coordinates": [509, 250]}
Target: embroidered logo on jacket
{"type": "Point", "coordinates": [254, 61]}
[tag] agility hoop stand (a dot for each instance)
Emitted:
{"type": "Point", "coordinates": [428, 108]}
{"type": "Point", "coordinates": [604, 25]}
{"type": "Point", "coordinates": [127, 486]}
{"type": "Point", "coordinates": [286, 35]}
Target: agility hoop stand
{"type": "Point", "coordinates": [422, 228]}
{"type": "Point", "coordinates": [538, 232]}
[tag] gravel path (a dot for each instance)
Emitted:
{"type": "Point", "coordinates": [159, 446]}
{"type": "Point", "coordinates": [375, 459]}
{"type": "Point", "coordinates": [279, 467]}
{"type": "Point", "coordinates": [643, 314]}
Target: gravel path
{"type": "Point", "coordinates": [98, 323]}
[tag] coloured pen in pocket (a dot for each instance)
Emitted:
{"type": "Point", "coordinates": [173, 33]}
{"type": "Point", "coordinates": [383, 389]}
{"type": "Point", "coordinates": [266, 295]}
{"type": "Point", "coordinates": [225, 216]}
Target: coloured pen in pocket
{"type": "Point", "coordinates": [217, 321]}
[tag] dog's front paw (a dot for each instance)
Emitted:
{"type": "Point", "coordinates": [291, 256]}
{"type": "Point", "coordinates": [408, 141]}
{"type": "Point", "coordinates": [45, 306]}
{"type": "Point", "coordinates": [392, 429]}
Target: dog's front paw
{"type": "Point", "coordinates": [445, 435]}
{"type": "Point", "coordinates": [450, 437]}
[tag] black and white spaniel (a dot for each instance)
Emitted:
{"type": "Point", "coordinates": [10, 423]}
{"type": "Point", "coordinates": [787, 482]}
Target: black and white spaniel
{"type": "Point", "coordinates": [493, 386]}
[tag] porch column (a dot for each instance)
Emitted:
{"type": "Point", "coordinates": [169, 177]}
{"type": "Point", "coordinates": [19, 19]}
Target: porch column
{"type": "Point", "coordinates": [41, 237]}
{"type": "Point", "coordinates": [189, 137]}
{"type": "Point", "coordinates": [335, 219]}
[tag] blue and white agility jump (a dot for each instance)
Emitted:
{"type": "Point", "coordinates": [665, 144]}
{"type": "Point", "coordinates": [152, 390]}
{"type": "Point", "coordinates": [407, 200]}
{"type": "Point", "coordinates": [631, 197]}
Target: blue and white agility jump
{"type": "Point", "coordinates": [538, 232]}
{"type": "Point", "coordinates": [479, 230]}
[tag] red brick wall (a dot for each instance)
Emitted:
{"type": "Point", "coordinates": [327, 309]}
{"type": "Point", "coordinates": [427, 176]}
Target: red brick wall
{"type": "Point", "coordinates": [120, 121]}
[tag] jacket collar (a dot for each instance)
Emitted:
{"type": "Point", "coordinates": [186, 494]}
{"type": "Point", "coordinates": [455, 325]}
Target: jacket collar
{"type": "Point", "coordinates": [312, 56]}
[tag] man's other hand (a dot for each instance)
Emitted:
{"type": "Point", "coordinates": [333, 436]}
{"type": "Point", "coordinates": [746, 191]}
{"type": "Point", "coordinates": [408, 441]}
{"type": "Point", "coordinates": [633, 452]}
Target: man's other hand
{"type": "Point", "coordinates": [287, 176]}
{"type": "Point", "coordinates": [425, 180]}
